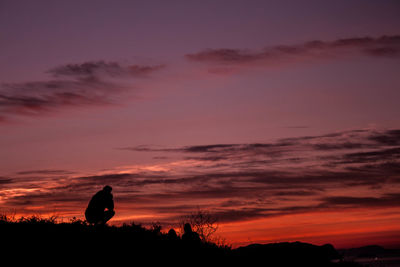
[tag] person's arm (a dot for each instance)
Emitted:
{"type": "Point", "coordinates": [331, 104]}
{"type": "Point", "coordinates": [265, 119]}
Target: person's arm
{"type": "Point", "coordinates": [110, 204]}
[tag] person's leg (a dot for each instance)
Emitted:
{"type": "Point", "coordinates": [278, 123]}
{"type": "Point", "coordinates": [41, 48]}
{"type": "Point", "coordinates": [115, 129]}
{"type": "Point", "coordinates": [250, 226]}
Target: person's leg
{"type": "Point", "coordinates": [90, 217]}
{"type": "Point", "coordinates": [108, 214]}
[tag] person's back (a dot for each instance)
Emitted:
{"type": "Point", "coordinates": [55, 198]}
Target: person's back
{"type": "Point", "coordinates": [101, 200]}
{"type": "Point", "coordinates": [189, 235]}
{"type": "Point", "coordinates": [95, 212]}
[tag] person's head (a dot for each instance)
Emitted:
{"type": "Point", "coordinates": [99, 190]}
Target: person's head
{"type": "Point", "coordinates": [172, 233]}
{"type": "Point", "coordinates": [107, 189]}
{"type": "Point", "coordinates": [187, 228]}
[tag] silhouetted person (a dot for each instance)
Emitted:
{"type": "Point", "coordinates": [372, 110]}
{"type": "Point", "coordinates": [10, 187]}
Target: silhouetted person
{"type": "Point", "coordinates": [189, 235]}
{"type": "Point", "coordinates": [172, 236]}
{"type": "Point", "coordinates": [101, 207]}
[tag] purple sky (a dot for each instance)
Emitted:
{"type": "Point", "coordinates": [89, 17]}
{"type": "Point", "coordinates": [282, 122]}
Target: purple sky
{"type": "Point", "coordinates": [92, 89]}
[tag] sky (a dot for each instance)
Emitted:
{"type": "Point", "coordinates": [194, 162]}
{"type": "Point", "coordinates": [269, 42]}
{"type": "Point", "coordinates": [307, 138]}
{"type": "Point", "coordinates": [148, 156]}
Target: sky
{"type": "Point", "coordinates": [279, 118]}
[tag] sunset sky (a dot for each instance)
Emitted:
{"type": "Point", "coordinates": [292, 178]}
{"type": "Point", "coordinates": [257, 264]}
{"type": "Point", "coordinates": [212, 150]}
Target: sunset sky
{"type": "Point", "coordinates": [280, 118]}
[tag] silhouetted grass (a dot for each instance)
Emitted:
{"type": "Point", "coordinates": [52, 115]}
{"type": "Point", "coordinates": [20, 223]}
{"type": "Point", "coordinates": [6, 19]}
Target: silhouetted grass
{"type": "Point", "coordinates": [42, 239]}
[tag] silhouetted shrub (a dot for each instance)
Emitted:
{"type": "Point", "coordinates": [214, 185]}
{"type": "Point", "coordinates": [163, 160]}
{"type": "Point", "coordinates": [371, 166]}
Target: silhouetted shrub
{"type": "Point", "coordinates": [202, 222]}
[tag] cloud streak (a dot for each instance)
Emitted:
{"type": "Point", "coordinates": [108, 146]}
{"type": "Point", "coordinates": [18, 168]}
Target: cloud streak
{"type": "Point", "coordinates": [96, 83]}
{"type": "Point", "coordinates": [384, 46]}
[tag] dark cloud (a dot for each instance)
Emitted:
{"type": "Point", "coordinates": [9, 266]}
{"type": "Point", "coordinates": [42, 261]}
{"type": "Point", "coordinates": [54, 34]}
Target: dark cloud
{"type": "Point", "coordinates": [137, 70]}
{"type": "Point", "coordinates": [88, 69]}
{"type": "Point", "coordinates": [390, 137]}
{"type": "Point", "coordinates": [372, 156]}
{"type": "Point", "coordinates": [386, 167]}
{"type": "Point", "coordinates": [383, 51]}
{"type": "Point", "coordinates": [207, 158]}
{"type": "Point", "coordinates": [217, 149]}
{"type": "Point", "coordinates": [209, 148]}
{"type": "Point", "coordinates": [98, 69]}
{"type": "Point", "coordinates": [240, 214]}
{"type": "Point", "coordinates": [250, 213]}
{"type": "Point", "coordinates": [384, 46]}
{"type": "Point", "coordinates": [5, 181]}
{"type": "Point", "coordinates": [50, 199]}
{"type": "Point", "coordinates": [189, 149]}
{"type": "Point", "coordinates": [35, 98]}
{"type": "Point", "coordinates": [45, 172]}
{"type": "Point", "coordinates": [328, 203]}
{"type": "Point", "coordinates": [387, 200]}
{"type": "Point", "coordinates": [106, 178]}
{"type": "Point", "coordinates": [224, 55]}
{"type": "Point", "coordinates": [298, 193]}
{"type": "Point", "coordinates": [320, 179]}
{"type": "Point", "coordinates": [344, 145]}
{"type": "Point", "coordinates": [87, 84]}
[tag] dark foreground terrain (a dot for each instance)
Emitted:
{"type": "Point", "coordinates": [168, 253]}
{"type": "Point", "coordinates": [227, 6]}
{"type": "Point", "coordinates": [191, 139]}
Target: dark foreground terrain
{"type": "Point", "coordinates": [37, 241]}
{"type": "Point", "coordinates": [372, 256]}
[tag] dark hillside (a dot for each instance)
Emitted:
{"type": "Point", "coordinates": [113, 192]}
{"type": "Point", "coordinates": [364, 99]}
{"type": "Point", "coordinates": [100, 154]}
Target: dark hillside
{"type": "Point", "coordinates": [38, 241]}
